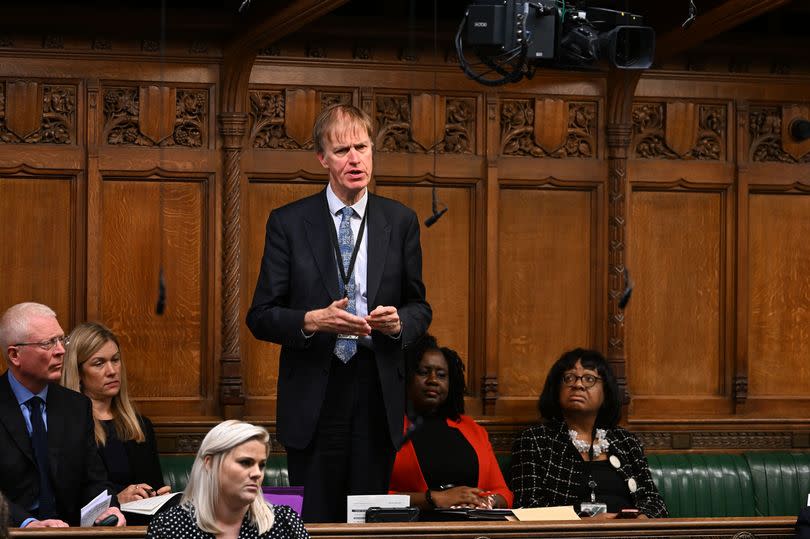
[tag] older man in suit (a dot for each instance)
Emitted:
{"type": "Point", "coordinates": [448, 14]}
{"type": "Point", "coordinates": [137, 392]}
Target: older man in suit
{"type": "Point", "coordinates": [49, 466]}
{"type": "Point", "coordinates": [340, 288]}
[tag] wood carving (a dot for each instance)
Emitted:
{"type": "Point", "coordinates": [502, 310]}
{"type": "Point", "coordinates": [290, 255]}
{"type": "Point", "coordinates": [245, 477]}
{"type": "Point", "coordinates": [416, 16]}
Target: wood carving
{"type": "Point", "coordinates": [740, 389]}
{"type": "Point", "coordinates": [283, 121]}
{"type": "Point", "coordinates": [656, 135]}
{"type": "Point", "coordinates": [425, 123]}
{"type": "Point", "coordinates": [795, 148]}
{"type": "Point", "coordinates": [765, 132]}
{"type": "Point", "coordinates": [519, 125]}
{"type": "Point", "coordinates": [550, 125]}
{"type": "Point", "coordinates": [122, 118]}
{"type": "Point", "coordinates": [301, 109]}
{"type": "Point", "coordinates": [154, 119]}
{"type": "Point", "coordinates": [36, 113]}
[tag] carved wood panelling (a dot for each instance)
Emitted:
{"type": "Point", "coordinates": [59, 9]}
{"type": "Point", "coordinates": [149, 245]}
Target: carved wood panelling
{"type": "Point", "coordinates": [765, 133]}
{"type": "Point", "coordinates": [277, 121]}
{"type": "Point", "coordinates": [779, 295]}
{"type": "Point", "coordinates": [425, 123]}
{"type": "Point", "coordinates": [37, 231]}
{"type": "Point", "coordinates": [677, 249]}
{"type": "Point", "coordinates": [126, 117]}
{"type": "Point", "coordinates": [37, 113]}
{"type": "Point", "coordinates": [520, 124]}
{"type": "Point", "coordinates": [679, 131]}
{"type": "Point", "coordinates": [147, 226]}
{"type": "Point", "coordinates": [547, 251]}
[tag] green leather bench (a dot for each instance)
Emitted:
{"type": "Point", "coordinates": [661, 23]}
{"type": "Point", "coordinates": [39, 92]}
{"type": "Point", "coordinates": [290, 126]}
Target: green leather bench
{"type": "Point", "coordinates": [693, 485]}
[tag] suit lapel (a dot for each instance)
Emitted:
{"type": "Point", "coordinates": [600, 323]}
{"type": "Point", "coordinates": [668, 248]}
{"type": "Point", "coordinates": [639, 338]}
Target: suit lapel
{"type": "Point", "coordinates": [379, 236]}
{"type": "Point", "coordinates": [317, 231]}
{"type": "Point", "coordinates": [12, 419]}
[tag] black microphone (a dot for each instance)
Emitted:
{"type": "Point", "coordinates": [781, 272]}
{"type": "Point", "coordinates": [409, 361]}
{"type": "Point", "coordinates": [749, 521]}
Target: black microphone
{"type": "Point", "coordinates": [430, 221]}
{"type": "Point", "coordinates": [628, 290]}
{"type": "Point", "coordinates": [161, 300]}
{"type": "Point", "coordinates": [437, 213]}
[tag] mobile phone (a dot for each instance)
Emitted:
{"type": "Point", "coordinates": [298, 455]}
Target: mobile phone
{"type": "Point", "coordinates": [109, 520]}
{"type": "Point", "coordinates": [628, 513]}
{"type": "Point", "coordinates": [392, 514]}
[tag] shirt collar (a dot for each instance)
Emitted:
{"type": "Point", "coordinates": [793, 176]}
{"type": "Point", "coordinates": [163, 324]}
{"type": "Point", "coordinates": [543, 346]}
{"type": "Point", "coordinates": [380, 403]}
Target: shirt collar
{"type": "Point", "coordinates": [22, 393]}
{"type": "Point", "coordinates": [335, 204]}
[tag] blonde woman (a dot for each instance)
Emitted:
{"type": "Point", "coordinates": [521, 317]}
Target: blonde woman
{"type": "Point", "coordinates": [125, 439]}
{"type": "Point", "coordinates": [223, 497]}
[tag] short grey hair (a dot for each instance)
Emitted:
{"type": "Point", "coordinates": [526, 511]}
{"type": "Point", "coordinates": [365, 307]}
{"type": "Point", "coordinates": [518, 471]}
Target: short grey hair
{"type": "Point", "coordinates": [14, 323]}
{"type": "Point", "coordinates": [202, 490]}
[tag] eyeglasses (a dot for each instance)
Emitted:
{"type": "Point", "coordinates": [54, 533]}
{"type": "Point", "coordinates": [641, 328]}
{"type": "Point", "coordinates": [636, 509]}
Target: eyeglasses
{"type": "Point", "coordinates": [588, 380]}
{"type": "Point", "coordinates": [50, 343]}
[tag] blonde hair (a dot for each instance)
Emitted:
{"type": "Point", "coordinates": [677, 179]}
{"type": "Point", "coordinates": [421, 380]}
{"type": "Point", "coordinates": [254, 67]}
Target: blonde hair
{"type": "Point", "coordinates": [202, 490]}
{"type": "Point", "coordinates": [330, 117]}
{"type": "Point", "coordinates": [85, 340]}
{"type": "Point", "coordinates": [14, 323]}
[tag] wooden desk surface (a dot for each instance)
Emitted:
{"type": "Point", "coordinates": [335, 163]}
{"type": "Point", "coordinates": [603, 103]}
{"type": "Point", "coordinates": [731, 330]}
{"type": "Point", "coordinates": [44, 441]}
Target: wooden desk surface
{"type": "Point", "coordinates": [732, 528]}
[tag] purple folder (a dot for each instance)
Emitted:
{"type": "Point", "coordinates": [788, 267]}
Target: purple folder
{"type": "Point", "coordinates": [292, 496]}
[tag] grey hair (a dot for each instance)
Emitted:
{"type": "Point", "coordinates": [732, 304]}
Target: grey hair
{"type": "Point", "coordinates": [202, 490]}
{"type": "Point", "coordinates": [14, 323]}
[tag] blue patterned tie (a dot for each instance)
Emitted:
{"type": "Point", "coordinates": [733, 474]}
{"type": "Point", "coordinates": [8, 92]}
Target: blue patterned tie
{"type": "Point", "coordinates": [346, 348]}
{"type": "Point", "coordinates": [39, 441]}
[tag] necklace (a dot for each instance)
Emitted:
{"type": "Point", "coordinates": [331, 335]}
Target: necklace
{"type": "Point", "coordinates": [600, 445]}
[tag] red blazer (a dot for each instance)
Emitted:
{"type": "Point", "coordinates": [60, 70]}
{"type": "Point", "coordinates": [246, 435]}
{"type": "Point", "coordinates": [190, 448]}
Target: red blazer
{"type": "Point", "coordinates": [407, 475]}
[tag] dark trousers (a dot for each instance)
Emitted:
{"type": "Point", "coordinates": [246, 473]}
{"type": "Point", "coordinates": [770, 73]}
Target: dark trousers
{"type": "Point", "coordinates": [351, 452]}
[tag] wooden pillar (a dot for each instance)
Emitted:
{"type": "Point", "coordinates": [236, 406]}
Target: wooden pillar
{"type": "Point", "coordinates": [232, 127]}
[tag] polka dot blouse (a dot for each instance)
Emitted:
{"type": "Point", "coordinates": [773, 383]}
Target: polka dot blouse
{"type": "Point", "coordinates": [178, 523]}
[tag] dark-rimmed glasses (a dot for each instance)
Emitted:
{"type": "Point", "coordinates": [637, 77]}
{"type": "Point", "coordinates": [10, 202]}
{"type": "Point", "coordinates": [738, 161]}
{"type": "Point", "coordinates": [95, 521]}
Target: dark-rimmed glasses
{"type": "Point", "coordinates": [588, 380]}
{"type": "Point", "coordinates": [49, 344]}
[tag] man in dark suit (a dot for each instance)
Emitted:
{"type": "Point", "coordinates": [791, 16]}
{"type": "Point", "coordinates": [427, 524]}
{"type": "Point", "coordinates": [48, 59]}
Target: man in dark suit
{"type": "Point", "coordinates": [44, 426]}
{"type": "Point", "coordinates": [340, 288]}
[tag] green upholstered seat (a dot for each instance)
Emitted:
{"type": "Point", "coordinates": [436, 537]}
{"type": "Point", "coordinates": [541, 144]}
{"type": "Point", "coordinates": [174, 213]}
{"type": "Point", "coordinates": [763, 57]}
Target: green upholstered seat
{"type": "Point", "coordinates": [781, 481]}
{"type": "Point", "coordinates": [177, 467]}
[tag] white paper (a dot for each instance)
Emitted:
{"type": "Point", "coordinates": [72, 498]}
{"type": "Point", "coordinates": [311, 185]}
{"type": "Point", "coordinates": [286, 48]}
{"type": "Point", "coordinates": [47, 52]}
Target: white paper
{"type": "Point", "coordinates": [565, 512]}
{"type": "Point", "coordinates": [356, 505]}
{"type": "Point", "coordinates": [94, 508]}
{"type": "Point", "coordinates": [148, 506]}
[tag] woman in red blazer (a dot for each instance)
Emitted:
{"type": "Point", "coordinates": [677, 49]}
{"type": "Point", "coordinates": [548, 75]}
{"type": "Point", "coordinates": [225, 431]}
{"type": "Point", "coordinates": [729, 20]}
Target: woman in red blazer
{"type": "Point", "coordinates": [447, 460]}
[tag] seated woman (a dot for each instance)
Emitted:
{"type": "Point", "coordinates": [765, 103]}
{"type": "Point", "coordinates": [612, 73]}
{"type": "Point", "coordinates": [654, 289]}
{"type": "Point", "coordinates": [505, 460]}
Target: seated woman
{"type": "Point", "coordinates": [223, 497]}
{"type": "Point", "coordinates": [447, 460]}
{"type": "Point", "coordinates": [580, 454]}
{"type": "Point", "coordinates": [125, 439]}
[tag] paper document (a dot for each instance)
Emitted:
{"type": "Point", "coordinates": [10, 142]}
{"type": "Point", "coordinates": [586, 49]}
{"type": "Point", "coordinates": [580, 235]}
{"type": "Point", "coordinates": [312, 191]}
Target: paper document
{"type": "Point", "coordinates": [94, 508]}
{"type": "Point", "coordinates": [356, 505]}
{"type": "Point", "coordinates": [149, 506]}
{"type": "Point", "coordinates": [546, 513]}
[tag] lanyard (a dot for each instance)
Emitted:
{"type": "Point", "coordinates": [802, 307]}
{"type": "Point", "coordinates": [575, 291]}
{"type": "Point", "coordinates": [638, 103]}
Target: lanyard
{"type": "Point", "coordinates": [346, 275]}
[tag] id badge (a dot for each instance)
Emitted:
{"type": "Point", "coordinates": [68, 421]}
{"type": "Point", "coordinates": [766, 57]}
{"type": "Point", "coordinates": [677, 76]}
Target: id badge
{"type": "Point", "coordinates": [342, 336]}
{"type": "Point", "coordinates": [592, 509]}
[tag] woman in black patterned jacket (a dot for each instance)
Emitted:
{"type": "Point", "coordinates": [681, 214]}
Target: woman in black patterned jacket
{"type": "Point", "coordinates": [580, 454]}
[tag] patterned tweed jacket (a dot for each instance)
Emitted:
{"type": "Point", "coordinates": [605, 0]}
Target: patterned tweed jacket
{"type": "Point", "coordinates": [547, 470]}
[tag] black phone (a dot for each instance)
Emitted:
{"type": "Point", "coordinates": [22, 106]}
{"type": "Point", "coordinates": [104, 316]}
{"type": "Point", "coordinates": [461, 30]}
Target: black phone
{"type": "Point", "coordinates": [109, 520]}
{"type": "Point", "coordinates": [628, 513]}
{"type": "Point", "coordinates": [392, 514]}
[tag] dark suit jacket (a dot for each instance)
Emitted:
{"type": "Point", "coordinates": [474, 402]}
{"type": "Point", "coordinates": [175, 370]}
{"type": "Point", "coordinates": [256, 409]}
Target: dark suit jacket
{"type": "Point", "coordinates": [803, 524]}
{"type": "Point", "coordinates": [144, 462]}
{"type": "Point", "coordinates": [77, 473]}
{"type": "Point", "coordinates": [299, 274]}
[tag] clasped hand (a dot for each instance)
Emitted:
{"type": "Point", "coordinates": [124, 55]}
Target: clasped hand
{"type": "Point", "coordinates": [140, 491]}
{"type": "Point", "coordinates": [464, 497]}
{"type": "Point", "coordinates": [336, 319]}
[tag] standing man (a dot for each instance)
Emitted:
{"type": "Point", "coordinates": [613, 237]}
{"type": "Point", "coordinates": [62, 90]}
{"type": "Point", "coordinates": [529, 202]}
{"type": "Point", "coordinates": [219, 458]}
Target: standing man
{"type": "Point", "coordinates": [49, 463]}
{"type": "Point", "coordinates": [340, 288]}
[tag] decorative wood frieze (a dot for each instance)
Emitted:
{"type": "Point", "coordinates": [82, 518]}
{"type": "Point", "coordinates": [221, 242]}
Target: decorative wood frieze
{"type": "Point", "coordinates": [425, 123]}
{"type": "Point", "coordinates": [525, 124]}
{"type": "Point", "coordinates": [139, 116]}
{"type": "Point", "coordinates": [768, 141]}
{"type": "Point", "coordinates": [37, 113]}
{"type": "Point", "coordinates": [282, 120]}
{"type": "Point", "coordinates": [679, 130]}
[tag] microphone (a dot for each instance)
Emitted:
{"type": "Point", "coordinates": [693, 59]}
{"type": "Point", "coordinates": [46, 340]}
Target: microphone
{"type": "Point", "coordinates": [628, 290]}
{"type": "Point", "coordinates": [161, 300]}
{"type": "Point", "coordinates": [430, 221]}
{"type": "Point", "coordinates": [437, 213]}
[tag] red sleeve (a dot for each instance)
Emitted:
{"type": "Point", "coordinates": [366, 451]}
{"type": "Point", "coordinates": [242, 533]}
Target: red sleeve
{"type": "Point", "coordinates": [490, 477]}
{"type": "Point", "coordinates": [407, 475]}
